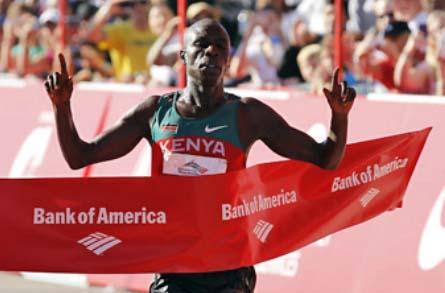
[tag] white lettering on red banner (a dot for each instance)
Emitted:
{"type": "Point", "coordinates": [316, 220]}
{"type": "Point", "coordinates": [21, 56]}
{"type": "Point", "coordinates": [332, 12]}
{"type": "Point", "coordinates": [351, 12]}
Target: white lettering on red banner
{"type": "Point", "coordinates": [370, 174]}
{"type": "Point", "coordinates": [257, 204]}
{"type": "Point", "coordinates": [100, 216]}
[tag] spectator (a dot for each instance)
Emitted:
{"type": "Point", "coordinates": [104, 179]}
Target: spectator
{"type": "Point", "coordinates": [396, 36]}
{"type": "Point", "coordinates": [320, 74]}
{"type": "Point", "coordinates": [15, 14]}
{"type": "Point", "coordinates": [361, 16]}
{"type": "Point", "coordinates": [436, 31]}
{"type": "Point", "coordinates": [315, 62]}
{"type": "Point", "coordinates": [49, 31]}
{"type": "Point", "coordinates": [289, 70]}
{"type": "Point", "coordinates": [174, 7]}
{"type": "Point", "coordinates": [431, 5]}
{"type": "Point", "coordinates": [225, 12]}
{"type": "Point", "coordinates": [277, 5]}
{"type": "Point", "coordinates": [348, 38]}
{"type": "Point", "coordinates": [7, 42]}
{"type": "Point", "coordinates": [348, 46]}
{"type": "Point", "coordinates": [314, 12]}
{"type": "Point", "coordinates": [420, 76]}
{"type": "Point", "coordinates": [3, 10]}
{"type": "Point", "coordinates": [128, 41]}
{"type": "Point", "coordinates": [85, 60]}
{"type": "Point", "coordinates": [163, 55]}
{"type": "Point", "coordinates": [4, 4]}
{"type": "Point", "coordinates": [308, 60]}
{"type": "Point", "coordinates": [261, 49]}
{"type": "Point", "coordinates": [234, 15]}
{"type": "Point", "coordinates": [412, 12]}
{"type": "Point", "coordinates": [31, 57]}
{"type": "Point", "coordinates": [92, 63]}
{"type": "Point", "coordinates": [377, 54]}
{"type": "Point", "coordinates": [384, 13]}
{"type": "Point", "coordinates": [329, 18]}
{"type": "Point", "coordinates": [201, 10]}
{"type": "Point", "coordinates": [23, 51]}
{"type": "Point", "coordinates": [271, 51]}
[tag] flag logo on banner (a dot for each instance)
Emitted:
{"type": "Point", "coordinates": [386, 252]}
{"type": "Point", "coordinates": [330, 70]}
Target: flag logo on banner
{"type": "Point", "coordinates": [369, 196]}
{"type": "Point", "coordinates": [99, 242]}
{"type": "Point", "coordinates": [262, 230]}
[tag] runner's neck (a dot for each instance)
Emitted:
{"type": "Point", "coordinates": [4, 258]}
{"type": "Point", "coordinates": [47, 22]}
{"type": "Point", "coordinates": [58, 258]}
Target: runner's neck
{"type": "Point", "coordinates": [198, 101]}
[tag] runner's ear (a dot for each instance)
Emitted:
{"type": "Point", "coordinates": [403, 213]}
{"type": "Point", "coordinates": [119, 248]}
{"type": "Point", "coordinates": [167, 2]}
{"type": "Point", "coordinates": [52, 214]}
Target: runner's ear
{"type": "Point", "coordinates": [183, 57]}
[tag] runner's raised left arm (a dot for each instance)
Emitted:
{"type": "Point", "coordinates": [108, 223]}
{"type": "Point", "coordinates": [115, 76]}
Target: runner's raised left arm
{"type": "Point", "coordinates": [263, 123]}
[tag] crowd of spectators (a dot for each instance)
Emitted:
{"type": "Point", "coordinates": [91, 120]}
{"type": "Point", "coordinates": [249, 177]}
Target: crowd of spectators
{"type": "Point", "coordinates": [388, 45]}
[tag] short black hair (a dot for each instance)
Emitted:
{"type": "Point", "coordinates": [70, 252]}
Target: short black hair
{"type": "Point", "coordinates": [396, 28]}
{"type": "Point", "coordinates": [202, 23]}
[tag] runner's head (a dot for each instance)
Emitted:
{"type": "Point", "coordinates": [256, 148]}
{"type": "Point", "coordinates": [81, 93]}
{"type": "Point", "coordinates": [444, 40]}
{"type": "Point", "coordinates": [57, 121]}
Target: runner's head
{"type": "Point", "coordinates": [206, 52]}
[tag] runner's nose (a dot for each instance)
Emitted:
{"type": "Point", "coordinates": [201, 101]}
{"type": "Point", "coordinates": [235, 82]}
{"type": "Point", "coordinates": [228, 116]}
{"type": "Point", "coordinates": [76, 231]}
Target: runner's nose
{"type": "Point", "coordinates": [211, 50]}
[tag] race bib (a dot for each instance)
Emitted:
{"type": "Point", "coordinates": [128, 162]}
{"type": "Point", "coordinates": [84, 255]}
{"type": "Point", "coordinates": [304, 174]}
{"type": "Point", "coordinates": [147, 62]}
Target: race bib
{"type": "Point", "coordinates": [191, 165]}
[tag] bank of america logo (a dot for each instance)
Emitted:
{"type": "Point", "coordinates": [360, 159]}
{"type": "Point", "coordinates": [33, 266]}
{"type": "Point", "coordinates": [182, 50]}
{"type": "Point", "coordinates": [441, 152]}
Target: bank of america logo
{"type": "Point", "coordinates": [99, 242]}
{"type": "Point", "coordinates": [262, 230]}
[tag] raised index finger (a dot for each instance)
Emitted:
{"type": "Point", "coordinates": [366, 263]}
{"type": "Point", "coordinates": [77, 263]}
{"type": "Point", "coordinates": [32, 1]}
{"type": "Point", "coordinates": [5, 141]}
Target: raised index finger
{"type": "Point", "coordinates": [335, 83]}
{"type": "Point", "coordinates": [63, 70]}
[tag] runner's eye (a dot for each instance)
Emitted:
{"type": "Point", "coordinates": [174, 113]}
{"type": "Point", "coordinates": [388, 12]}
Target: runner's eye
{"type": "Point", "coordinates": [200, 44]}
{"type": "Point", "coordinates": [221, 45]}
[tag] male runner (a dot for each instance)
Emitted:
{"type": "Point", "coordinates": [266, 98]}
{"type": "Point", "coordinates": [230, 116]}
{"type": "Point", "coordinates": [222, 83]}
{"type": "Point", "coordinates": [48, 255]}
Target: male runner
{"type": "Point", "coordinates": [202, 124]}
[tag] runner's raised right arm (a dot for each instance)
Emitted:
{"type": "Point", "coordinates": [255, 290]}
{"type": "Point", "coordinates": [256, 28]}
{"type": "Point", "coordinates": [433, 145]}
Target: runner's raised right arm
{"type": "Point", "coordinates": [113, 143]}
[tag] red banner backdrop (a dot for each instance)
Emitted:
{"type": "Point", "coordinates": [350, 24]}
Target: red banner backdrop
{"type": "Point", "coordinates": [210, 223]}
{"type": "Point", "coordinates": [400, 251]}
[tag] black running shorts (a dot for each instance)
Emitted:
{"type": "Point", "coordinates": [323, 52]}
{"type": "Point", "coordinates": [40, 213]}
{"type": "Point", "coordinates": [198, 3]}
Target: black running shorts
{"type": "Point", "coordinates": [234, 281]}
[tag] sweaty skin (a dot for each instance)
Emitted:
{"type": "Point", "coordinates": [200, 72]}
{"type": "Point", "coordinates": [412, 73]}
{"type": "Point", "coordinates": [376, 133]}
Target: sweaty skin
{"type": "Point", "coordinates": [206, 56]}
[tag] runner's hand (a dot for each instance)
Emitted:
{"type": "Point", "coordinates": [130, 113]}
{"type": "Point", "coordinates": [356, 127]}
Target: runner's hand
{"type": "Point", "coordinates": [340, 97]}
{"type": "Point", "coordinates": [59, 86]}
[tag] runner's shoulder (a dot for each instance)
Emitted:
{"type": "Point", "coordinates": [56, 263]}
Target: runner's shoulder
{"type": "Point", "coordinates": [143, 109]}
{"type": "Point", "coordinates": [244, 101]}
{"type": "Point", "coordinates": [149, 105]}
{"type": "Point", "coordinates": [253, 106]}
{"type": "Point", "coordinates": [142, 112]}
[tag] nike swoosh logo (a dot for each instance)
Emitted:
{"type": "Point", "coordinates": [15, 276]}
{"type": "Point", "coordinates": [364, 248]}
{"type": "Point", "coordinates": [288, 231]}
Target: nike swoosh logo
{"type": "Point", "coordinates": [432, 244]}
{"type": "Point", "coordinates": [213, 129]}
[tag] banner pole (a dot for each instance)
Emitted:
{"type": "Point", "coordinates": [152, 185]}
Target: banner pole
{"type": "Point", "coordinates": [62, 10]}
{"type": "Point", "coordinates": [338, 32]}
{"type": "Point", "coordinates": [182, 4]}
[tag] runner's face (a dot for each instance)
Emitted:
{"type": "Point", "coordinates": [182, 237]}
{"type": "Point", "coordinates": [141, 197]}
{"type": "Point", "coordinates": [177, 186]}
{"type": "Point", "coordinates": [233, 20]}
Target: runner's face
{"type": "Point", "coordinates": [207, 53]}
